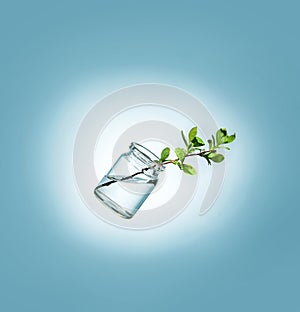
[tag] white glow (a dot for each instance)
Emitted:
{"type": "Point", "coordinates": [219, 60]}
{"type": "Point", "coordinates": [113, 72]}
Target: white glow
{"type": "Point", "coordinates": [56, 154]}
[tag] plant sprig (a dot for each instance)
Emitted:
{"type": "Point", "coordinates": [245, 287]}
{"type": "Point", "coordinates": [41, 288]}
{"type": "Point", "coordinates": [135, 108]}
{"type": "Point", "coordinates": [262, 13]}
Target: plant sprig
{"type": "Point", "coordinates": [195, 146]}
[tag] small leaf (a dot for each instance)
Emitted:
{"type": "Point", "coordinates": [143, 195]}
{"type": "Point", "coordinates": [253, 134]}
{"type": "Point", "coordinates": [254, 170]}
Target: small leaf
{"type": "Point", "coordinates": [210, 155]}
{"type": "Point", "coordinates": [165, 154]}
{"type": "Point", "coordinates": [226, 147]}
{"type": "Point", "coordinates": [192, 134]}
{"type": "Point", "coordinates": [216, 157]}
{"type": "Point", "coordinates": [179, 164]}
{"type": "Point", "coordinates": [209, 144]}
{"type": "Point", "coordinates": [223, 138]}
{"type": "Point", "coordinates": [180, 153]}
{"type": "Point", "coordinates": [188, 169]}
{"type": "Point", "coordinates": [184, 138]}
{"type": "Point", "coordinates": [189, 146]}
{"type": "Point", "coordinates": [206, 158]}
{"type": "Point", "coordinates": [198, 142]}
{"type": "Point", "coordinates": [221, 133]}
{"type": "Point", "coordinates": [219, 137]}
{"type": "Point", "coordinates": [213, 141]}
{"type": "Point", "coordinates": [229, 139]}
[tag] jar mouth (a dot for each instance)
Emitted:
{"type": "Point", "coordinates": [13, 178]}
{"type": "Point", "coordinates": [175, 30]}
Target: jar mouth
{"type": "Point", "coordinates": [147, 156]}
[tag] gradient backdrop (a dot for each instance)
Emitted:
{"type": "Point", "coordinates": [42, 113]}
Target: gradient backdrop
{"type": "Point", "coordinates": [241, 59]}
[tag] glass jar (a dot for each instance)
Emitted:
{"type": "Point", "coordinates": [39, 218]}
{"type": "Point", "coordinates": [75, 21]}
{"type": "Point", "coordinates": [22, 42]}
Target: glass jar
{"type": "Point", "coordinates": [129, 181]}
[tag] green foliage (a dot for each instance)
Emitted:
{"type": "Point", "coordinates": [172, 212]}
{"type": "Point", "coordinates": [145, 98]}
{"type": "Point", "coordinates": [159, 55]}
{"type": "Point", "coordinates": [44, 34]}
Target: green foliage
{"type": "Point", "coordinates": [216, 157]}
{"type": "Point", "coordinates": [180, 165]}
{"type": "Point", "coordinates": [223, 138]}
{"type": "Point", "coordinates": [164, 154]}
{"type": "Point", "coordinates": [180, 153]}
{"type": "Point", "coordinates": [188, 169]}
{"type": "Point", "coordinates": [197, 142]}
{"type": "Point", "coordinates": [206, 157]}
{"type": "Point", "coordinates": [193, 148]}
{"type": "Point", "coordinates": [184, 138]}
{"type": "Point", "coordinates": [192, 134]}
{"type": "Point", "coordinates": [213, 141]}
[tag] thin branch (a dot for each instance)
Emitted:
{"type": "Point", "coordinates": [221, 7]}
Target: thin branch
{"type": "Point", "coordinates": [147, 168]}
{"type": "Point", "coordinates": [124, 178]}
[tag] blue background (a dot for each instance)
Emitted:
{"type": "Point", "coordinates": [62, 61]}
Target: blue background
{"type": "Point", "coordinates": [241, 58]}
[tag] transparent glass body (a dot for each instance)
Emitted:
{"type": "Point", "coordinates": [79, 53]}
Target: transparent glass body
{"type": "Point", "coordinates": [129, 181]}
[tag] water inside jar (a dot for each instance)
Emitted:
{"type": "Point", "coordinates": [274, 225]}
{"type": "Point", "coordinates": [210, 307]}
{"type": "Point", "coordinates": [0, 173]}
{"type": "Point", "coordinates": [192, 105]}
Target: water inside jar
{"type": "Point", "coordinates": [130, 193]}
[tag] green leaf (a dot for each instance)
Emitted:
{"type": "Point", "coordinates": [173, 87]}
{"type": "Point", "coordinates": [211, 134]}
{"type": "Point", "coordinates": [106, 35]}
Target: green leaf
{"type": "Point", "coordinates": [206, 158]}
{"type": "Point", "coordinates": [221, 133]}
{"type": "Point", "coordinates": [164, 154]}
{"type": "Point", "coordinates": [188, 169]}
{"type": "Point", "coordinates": [229, 139]}
{"type": "Point", "coordinates": [192, 134]}
{"type": "Point", "coordinates": [213, 140]}
{"type": "Point", "coordinates": [180, 153]}
{"type": "Point", "coordinates": [209, 144]}
{"type": "Point", "coordinates": [216, 157]}
{"type": "Point", "coordinates": [223, 138]}
{"type": "Point", "coordinates": [179, 164]}
{"type": "Point", "coordinates": [198, 142]}
{"type": "Point", "coordinates": [184, 138]}
{"type": "Point", "coordinates": [226, 147]}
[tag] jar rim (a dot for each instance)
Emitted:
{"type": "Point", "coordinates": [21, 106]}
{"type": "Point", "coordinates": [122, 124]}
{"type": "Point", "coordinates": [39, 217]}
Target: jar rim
{"type": "Point", "coordinates": [145, 153]}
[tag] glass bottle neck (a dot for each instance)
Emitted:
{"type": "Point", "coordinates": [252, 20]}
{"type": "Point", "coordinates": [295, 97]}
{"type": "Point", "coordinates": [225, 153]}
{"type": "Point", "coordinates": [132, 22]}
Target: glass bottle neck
{"type": "Point", "coordinates": [146, 158]}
